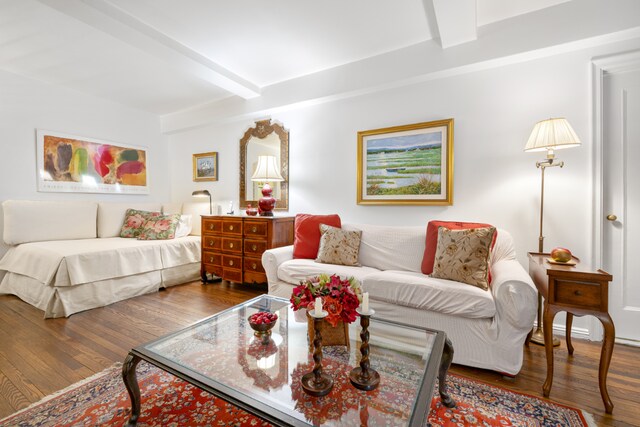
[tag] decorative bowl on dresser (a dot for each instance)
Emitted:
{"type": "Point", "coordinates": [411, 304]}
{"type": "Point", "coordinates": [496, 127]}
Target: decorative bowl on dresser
{"type": "Point", "coordinates": [232, 245]}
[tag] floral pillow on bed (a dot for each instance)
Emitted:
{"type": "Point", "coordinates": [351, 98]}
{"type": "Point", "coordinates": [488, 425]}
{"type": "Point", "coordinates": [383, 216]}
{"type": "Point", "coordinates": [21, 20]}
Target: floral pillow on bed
{"type": "Point", "coordinates": [134, 220]}
{"type": "Point", "coordinates": [160, 227]}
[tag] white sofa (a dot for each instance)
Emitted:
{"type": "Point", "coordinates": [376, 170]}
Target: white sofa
{"type": "Point", "coordinates": [487, 328]}
{"type": "Point", "coordinates": [66, 257]}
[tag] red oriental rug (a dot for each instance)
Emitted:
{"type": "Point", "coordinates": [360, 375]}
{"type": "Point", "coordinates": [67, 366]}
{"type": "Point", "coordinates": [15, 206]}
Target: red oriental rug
{"type": "Point", "coordinates": [168, 401]}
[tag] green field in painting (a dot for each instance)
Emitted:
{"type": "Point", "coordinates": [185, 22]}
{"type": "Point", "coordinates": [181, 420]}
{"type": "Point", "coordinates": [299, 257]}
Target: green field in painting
{"type": "Point", "coordinates": [399, 172]}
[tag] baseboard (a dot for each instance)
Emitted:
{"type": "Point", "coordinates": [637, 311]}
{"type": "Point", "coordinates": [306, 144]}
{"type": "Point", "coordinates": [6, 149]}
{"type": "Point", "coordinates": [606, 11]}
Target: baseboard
{"type": "Point", "coordinates": [584, 334]}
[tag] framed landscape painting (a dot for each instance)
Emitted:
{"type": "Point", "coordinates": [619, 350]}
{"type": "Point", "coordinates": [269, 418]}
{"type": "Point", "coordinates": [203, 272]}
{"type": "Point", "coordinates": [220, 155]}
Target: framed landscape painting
{"type": "Point", "coordinates": [406, 165]}
{"type": "Point", "coordinates": [71, 163]}
{"type": "Point", "coordinates": [205, 166]}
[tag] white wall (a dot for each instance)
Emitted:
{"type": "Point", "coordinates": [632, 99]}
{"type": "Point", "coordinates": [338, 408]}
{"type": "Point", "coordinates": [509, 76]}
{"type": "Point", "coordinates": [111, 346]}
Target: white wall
{"type": "Point", "coordinates": [26, 105]}
{"type": "Point", "coordinates": [494, 180]}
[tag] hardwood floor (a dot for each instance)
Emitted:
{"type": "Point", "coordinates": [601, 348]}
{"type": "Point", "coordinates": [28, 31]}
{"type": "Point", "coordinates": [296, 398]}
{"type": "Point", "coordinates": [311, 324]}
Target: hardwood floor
{"type": "Point", "coordinates": [39, 357]}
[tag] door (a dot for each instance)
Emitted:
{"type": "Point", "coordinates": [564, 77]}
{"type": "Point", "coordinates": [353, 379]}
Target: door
{"type": "Point", "coordinates": [621, 198]}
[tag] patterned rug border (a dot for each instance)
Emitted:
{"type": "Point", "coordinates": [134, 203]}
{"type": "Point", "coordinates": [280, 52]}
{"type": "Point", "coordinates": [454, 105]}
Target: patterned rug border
{"type": "Point", "coordinates": [107, 371]}
{"type": "Point", "coordinates": [117, 367]}
{"type": "Point", "coordinates": [587, 417]}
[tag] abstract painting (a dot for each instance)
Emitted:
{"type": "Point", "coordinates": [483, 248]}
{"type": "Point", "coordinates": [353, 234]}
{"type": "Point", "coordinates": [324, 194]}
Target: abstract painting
{"type": "Point", "coordinates": [69, 163]}
{"type": "Point", "coordinates": [406, 165]}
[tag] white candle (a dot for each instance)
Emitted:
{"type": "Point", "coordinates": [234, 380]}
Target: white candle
{"type": "Point", "coordinates": [318, 306]}
{"type": "Point", "coordinates": [365, 302]}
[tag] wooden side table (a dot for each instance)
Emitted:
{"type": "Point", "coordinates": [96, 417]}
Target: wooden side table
{"type": "Point", "coordinates": [579, 290]}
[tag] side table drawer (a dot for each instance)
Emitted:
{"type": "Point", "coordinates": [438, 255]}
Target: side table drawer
{"type": "Point", "coordinates": [254, 247]}
{"type": "Point", "coordinates": [209, 242]}
{"type": "Point", "coordinates": [577, 294]}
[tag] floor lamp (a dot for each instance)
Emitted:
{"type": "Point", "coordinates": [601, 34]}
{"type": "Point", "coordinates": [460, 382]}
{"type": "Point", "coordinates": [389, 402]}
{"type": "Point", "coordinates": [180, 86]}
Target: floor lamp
{"type": "Point", "coordinates": [548, 135]}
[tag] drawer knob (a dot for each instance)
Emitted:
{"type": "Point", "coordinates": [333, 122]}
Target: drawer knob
{"type": "Point", "coordinates": [254, 229]}
{"type": "Point", "coordinates": [210, 226]}
{"type": "Point", "coordinates": [253, 265]}
{"type": "Point", "coordinates": [612, 217]}
{"type": "Point", "coordinates": [231, 262]}
{"type": "Point", "coordinates": [211, 243]}
{"type": "Point", "coordinates": [231, 228]}
{"type": "Point", "coordinates": [254, 247]}
{"type": "Point", "coordinates": [231, 244]}
{"type": "Point", "coordinates": [211, 260]}
{"type": "Point", "coordinates": [578, 293]}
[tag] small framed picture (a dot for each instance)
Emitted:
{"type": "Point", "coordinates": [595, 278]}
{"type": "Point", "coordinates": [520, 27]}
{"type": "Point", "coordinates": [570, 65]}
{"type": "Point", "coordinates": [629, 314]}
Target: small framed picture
{"type": "Point", "coordinates": [406, 165]}
{"type": "Point", "coordinates": [205, 166]}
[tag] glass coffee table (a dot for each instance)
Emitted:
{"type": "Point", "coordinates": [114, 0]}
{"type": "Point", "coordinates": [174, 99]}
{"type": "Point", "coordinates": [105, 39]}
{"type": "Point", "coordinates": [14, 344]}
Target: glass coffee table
{"type": "Point", "coordinates": [221, 355]}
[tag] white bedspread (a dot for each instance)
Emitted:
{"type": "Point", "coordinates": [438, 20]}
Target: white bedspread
{"type": "Point", "coordinates": [92, 260]}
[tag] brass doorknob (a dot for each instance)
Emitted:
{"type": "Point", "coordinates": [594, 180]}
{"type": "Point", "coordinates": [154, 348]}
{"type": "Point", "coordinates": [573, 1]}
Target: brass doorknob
{"type": "Point", "coordinates": [612, 217]}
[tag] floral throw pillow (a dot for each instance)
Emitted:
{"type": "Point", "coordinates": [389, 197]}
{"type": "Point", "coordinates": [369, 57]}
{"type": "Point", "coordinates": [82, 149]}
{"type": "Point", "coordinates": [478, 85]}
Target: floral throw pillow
{"type": "Point", "coordinates": [338, 246]}
{"type": "Point", "coordinates": [134, 220]}
{"type": "Point", "coordinates": [463, 255]}
{"type": "Point", "coordinates": [162, 227]}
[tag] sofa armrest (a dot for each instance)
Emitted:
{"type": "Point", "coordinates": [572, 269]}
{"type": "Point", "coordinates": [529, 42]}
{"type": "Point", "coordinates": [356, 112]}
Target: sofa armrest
{"type": "Point", "coordinates": [514, 293]}
{"type": "Point", "coordinates": [272, 258]}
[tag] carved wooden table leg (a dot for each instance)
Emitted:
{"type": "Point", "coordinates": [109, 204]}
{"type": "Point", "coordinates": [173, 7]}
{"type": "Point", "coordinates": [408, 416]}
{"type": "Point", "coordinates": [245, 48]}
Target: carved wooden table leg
{"type": "Point", "coordinates": [605, 358]}
{"type": "Point", "coordinates": [131, 383]}
{"type": "Point", "coordinates": [445, 362]}
{"type": "Point", "coordinates": [549, 314]}
{"type": "Point", "coordinates": [568, 332]}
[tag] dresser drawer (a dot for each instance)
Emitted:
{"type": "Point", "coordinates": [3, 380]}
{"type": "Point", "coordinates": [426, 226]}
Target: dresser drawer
{"type": "Point", "coordinates": [577, 294]}
{"type": "Point", "coordinates": [211, 242]}
{"type": "Point", "coordinates": [232, 275]}
{"type": "Point", "coordinates": [232, 226]}
{"type": "Point", "coordinates": [211, 258]}
{"type": "Point", "coordinates": [254, 247]}
{"type": "Point", "coordinates": [253, 265]}
{"type": "Point", "coordinates": [232, 261]}
{"type": "Point", "coordinates": [255, 229]}
{"type": "Point", "coordinates": [211, 226]}
{"type": "Point", "coordinates": [253, 277]}
{"type": "Point", "coordinates": [232, 244]}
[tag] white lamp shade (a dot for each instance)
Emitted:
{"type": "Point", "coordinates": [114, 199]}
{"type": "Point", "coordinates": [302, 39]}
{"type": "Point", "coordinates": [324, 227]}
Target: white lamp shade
{"type": "Point", "coordinates": [267, 170]}
{"type": "Point", "coordinates": [552, 134]}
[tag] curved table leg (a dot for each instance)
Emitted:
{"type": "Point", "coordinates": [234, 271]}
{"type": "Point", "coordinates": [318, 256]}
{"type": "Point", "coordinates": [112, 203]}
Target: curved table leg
{"type": "Point", "coordinates": [549, 314]}
{"type": "Point", "coordinates": [131, 383]}
{"type": "Point", "coordinates": [605, 358]}
{"type": "Point", "coordinates": [445, 362]}
{"type": "Point", "coordinates": [568, 332]}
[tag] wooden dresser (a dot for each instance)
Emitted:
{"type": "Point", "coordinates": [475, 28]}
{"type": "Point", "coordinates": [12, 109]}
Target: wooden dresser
{"type": "Point", "coordinates": [232, 245]}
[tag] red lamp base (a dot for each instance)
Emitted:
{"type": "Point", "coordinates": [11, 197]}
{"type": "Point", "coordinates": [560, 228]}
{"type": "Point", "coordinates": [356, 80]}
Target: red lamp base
{"type": "Point", "coordinates": [266, 202]}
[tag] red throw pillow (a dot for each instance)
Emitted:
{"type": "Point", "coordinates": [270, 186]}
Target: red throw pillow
{"type": "Point", "coordinates": [432, 240]}
{"type": "Point", "coordinates": [307, 233]}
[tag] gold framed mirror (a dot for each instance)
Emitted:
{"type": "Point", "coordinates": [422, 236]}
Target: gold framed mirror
{"type": "Point", "coordinates": [264, 139]}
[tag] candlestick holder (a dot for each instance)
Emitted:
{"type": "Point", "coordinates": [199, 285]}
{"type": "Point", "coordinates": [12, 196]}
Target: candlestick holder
{"type": "Point", "coordinates": [364, 377]}
{"type": "Point", "coordinates": [316, 382]}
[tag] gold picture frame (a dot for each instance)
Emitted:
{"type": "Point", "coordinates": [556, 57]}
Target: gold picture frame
{"type": "Point", "coordinates": [205, 166]}
{"type": "Point", "coordinates": [406, 165]}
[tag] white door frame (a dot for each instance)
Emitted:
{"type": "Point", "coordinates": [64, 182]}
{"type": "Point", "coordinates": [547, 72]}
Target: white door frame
{"type": "Point", "coordinates": [600, 66]}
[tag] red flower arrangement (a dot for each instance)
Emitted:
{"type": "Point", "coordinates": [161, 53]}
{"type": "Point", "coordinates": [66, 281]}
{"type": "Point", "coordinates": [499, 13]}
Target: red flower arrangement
{"type": "Point", "coordinates": [340, 297]}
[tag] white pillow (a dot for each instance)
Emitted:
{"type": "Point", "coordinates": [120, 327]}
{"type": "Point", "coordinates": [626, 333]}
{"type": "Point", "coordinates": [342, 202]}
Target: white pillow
{"type": "Point", "coordinates": [184, 226]}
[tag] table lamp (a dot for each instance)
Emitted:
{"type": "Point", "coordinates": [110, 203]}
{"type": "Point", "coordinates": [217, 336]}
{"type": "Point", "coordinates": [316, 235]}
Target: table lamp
{"type": "Point", "coordinates": [548, 135]}
{"type": "Point", "coordinates": [267, 170]}
{"type": "Point", "coordinates": [204, 193]}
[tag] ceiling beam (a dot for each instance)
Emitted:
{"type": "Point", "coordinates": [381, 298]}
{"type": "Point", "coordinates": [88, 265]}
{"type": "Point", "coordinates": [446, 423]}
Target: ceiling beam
{"type": "Point", "coordinates": [110, 19]}
{"type": "Point", "coordinates": [457, 22]}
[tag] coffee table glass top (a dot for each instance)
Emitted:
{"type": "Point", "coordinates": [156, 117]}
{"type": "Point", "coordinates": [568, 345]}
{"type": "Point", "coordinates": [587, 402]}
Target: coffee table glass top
{"type": "Point", "coordinates": [222, 355]}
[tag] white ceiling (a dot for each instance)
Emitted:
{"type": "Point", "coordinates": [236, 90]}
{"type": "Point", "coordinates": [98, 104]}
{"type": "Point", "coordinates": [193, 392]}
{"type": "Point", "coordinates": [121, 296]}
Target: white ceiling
{"type": "Point", "coordinates": [164, 56]}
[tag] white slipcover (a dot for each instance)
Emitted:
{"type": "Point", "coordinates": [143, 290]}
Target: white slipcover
{"type": "Point", "coordinates": [38, 221]}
